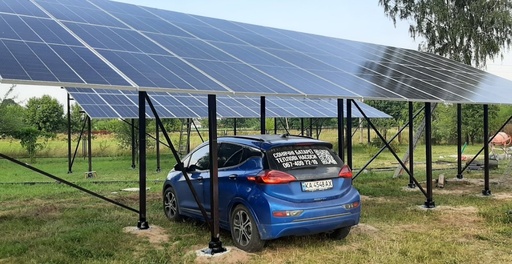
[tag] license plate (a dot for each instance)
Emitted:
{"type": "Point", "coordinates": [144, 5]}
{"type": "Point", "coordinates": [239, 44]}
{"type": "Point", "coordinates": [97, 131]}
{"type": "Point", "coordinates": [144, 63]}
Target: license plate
{"type": "Point", "coordinates": [313, 186]}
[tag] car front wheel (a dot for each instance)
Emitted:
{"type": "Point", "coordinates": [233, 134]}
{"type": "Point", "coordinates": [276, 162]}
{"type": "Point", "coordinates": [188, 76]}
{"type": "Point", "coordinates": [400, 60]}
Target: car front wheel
{"type": "Point", "coordinates": [171, 208]}
{"type": "Point", "coordinates": [244, 230]}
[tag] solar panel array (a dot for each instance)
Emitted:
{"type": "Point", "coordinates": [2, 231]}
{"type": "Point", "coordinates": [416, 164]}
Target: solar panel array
{"type": "Point", "coordinates": [104, 44]}
{"type": "Point", "coordinates": [103, 103]}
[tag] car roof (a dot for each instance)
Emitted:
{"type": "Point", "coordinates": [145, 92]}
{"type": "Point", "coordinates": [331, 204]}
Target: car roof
{"type": "Point", "coordinates": [266, 142]}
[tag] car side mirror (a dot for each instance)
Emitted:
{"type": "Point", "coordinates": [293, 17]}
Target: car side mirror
{"type": "Point", "coordinates": [178, 166]}
{"type": "Point", "coordinates": [192, 168]}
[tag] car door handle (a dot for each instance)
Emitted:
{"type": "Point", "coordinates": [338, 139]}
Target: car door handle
{"type": "Point", "coordinates": [232, 176]}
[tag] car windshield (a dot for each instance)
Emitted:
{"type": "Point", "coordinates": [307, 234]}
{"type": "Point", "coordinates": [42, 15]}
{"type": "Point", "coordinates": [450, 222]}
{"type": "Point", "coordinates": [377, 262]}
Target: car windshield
{"type": "Point", "coordinates": [302, 157]}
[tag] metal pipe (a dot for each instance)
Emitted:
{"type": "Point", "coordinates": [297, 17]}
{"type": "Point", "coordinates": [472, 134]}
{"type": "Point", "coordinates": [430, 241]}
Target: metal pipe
{"type": "Point", "coordinates": [157, 143]}
{"type": "Point", "coordinates": [234, 126]}
{"type": "Point", "coordinates": [411, 146]}
{"type": "Point", "coordinates": [69, 135]}
{"type": "Point", "coordinates": [459, 142]}
{"type": "Point", "coordinates": [349, 132]}
{"type": "Point", "coordinates": [215, 244]}
{"type": "Point", "coordinates": [263, 129]}
{"type": "Point", "coordinates": [486, 191]}
{"type": "Point", "coordinates": [428, 152]}
{"type": "Point", "coordinates": [143, 223]}
{"type": "Point", "coordinates": [89, 143]}
{"type": "Point", "coordinates": [132, 127]}
{"type": "Point", "coordinates": [341, 121]}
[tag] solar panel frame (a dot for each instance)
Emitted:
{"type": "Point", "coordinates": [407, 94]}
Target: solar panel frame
{"type": "Point", "coordinates": [111, 45]}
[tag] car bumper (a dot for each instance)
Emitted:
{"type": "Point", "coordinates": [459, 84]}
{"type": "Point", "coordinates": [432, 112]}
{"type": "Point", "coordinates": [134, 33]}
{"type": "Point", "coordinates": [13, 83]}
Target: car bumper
{"type": "Point", "coordinates": [315, 218]}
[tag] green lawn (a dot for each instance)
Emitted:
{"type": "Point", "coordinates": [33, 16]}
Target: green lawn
{"type": "Point", "coordinates": [43, 221]}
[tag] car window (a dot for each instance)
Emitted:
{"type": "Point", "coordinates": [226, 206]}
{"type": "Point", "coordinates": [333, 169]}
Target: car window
{"type": "Point", "coordinates": [296, 157]}
{"type": "Point", "coordinates": [201, 158]}
{"type": "Point", "coordinates": [230, 155]}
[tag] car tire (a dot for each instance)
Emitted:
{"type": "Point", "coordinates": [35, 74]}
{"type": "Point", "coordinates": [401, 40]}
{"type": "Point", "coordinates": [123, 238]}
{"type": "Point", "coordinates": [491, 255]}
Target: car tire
{"type": "Point", "coordinates": [244, 231]}
{"type": "Point", "coordinates": [171, 207]}
{"type": "Point", "coordinates": [340, 233]}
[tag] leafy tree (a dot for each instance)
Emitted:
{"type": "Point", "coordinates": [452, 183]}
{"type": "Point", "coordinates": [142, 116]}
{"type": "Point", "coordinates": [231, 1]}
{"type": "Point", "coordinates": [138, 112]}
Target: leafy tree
{"type": "Point", "coordinates": [468, 31]}
{"type": "Point", "coordinates": [11, 118]}
{"type": "Point", "coordinates": [45, 113]}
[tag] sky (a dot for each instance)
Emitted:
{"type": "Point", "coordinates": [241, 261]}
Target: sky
{"type": "Point", "coordinates": [358, 20]}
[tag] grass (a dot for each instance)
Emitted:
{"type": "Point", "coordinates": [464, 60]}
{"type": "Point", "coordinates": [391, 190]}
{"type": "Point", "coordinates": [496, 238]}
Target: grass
{"type": "Point", "coordinates": [46, 222]}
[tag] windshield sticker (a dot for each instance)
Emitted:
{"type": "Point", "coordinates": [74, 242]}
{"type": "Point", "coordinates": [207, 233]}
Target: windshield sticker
{"type": "Point", "coordinates": [303, 157]}
{"type": "Point", "coordinates": [325, 156]}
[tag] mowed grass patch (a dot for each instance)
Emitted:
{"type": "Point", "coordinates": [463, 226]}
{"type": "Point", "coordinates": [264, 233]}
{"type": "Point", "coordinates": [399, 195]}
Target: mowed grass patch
{"type": "Point", "coordinates": [53, 223]}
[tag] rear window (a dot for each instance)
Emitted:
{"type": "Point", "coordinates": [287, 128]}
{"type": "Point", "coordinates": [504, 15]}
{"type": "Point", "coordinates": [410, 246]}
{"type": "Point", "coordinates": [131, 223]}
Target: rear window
{"type": "Point", "coordinates": [297, 157]}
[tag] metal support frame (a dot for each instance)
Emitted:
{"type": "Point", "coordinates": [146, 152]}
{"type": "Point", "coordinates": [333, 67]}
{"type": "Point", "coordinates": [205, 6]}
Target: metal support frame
{"type": "Point", "coordinates": [349, 132]}
{"type": "Point", "coordinates": [486, 191]}
{"type": "Point", "coordinates": [386, 146]}
{"type": "Point", "coordinates": [368, 131]}
{"type": "Point", "coordinates": [198, 132]}
{"type": "Point", "coordinates": [60, 180]}
{"type": "Point", "coordinates": [215, 245]}
{"type": "Point", "coordinates": [77, 145]}
{"type": "Point", "coordinates": [310, 130]}
{"type": "Point", "coordinates": [189, 130]}
{"type": "Point", "coordinates": [143, 223]}
{"type": "Point", "coordinates": [157, 146]}
{"type": "Point", "coordinates": [89, 144]}
{"type": "Point", "coordinates": [178, 160]}
{"type": "Point", "coordinates": [302, 126]}
{"type": "Point", "coordinates": [132, 127]}
{"type": "Point", "coordinates": [263, 129]}
{"type": "Point", "coordinates": [411, 146]}
{"type": "Point", "coordinates": [487, 142]}
{"type": "Point", "coordinates": [459, 142]}
{"type": "Point", "coordinates": [341, 124]}
{"type": "Point", "coordinates": [284, 126]}
{"type": "Point", "coordinates": [234, 126]}
{"type": "Point", "coordinates": [428, 155]}
{"type": "Point", "coordinates": [70, 164]}
{"type": "Point", "coordinates": [275, 125]}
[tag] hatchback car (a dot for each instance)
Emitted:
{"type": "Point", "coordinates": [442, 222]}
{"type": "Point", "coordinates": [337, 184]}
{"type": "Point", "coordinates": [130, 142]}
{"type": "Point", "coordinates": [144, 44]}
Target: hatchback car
{"type": "Point", "coordinates": [270, 186]}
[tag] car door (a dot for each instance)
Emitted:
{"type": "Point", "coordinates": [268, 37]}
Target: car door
{"type": "Point", "coordinates": [198, 168]}
{"type": "Point", "coordinates": [229, 159]}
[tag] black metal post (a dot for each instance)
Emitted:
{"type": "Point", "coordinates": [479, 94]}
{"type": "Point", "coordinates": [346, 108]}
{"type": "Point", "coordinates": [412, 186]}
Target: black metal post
{"type": "Point", "coordinates": [189, 129]}
{"type": "Point", "coordinates": [411, 146]}
{"type": "Point", "coordinates": [368, 131]}
{"type": "Point", "coordinates": [428, 152]}
{"type": "Point", "coordinates": [69, 134]}
{"type": "Point", "coordinates": [132, 127]}
{"type": "Point", "coordinates": [89, 144]}
{"type": "Point", "coordinates": [234, 126]}
{"type": "Point", "coordinates": [459, 142]}
{"type": "Point", "coordinates": [143, 223]}
{"type": "Point", "coordinates": [263, 129]}
{"type": "Point", "coordinates": [341, 126]}
{"type": "Point", "coordinates": [275, 126]}
{"type": "Point", "coordinates": [157, 143]}
{"type": "Point", "coordinates": [310, 134]}
{"type": "Point", "coordinates": [349, 132]}
{"type": "Point", "coordinates": [302, 126]}
{"type": "Point", "coordinates": [215, 244]}
{"type": "Point", "coordinates": [486, 191]}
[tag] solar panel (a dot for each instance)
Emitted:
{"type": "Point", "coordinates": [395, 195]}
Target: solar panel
{"type": "Point", "coordinates": [103, 44]}
{"type": "Point", "coordinates": [103, 103]}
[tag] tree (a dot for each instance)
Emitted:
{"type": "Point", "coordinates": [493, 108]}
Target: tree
{"type": "Point", "coordinates": [45, 114]}
{"type": "Point", "coordinates": [468, 31]}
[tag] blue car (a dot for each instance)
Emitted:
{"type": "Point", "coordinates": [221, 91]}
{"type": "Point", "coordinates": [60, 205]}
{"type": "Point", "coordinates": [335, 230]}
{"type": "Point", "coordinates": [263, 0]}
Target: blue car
{"type": "Point", "coordinates": [270, 186]}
